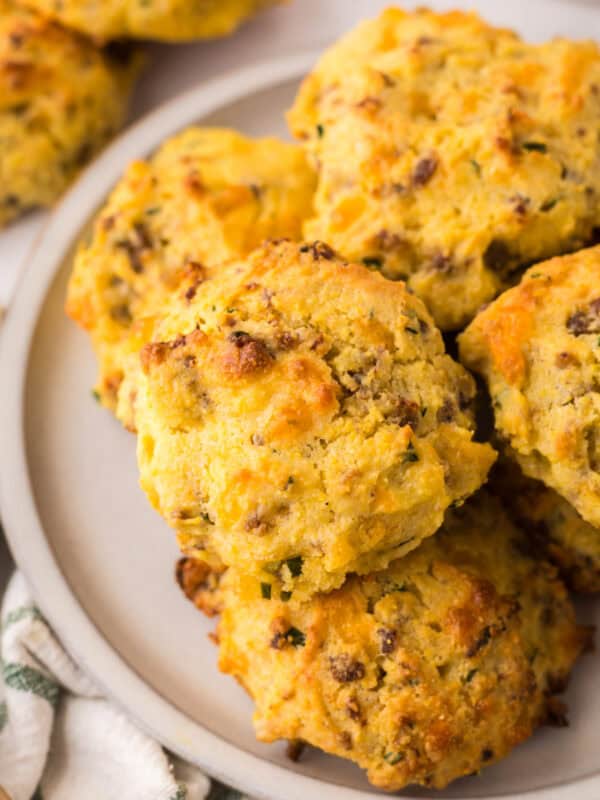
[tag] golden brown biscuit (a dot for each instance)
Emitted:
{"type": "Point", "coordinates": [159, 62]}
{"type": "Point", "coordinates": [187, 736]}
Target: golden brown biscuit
{"type": "Point", "coordinates": [538, 348]}
{"type": "Point", "coordinates": [208, 195]}
{"type": "Point", "coordinates": [167, 20]}
{"type": "Point", "coordinates": [200, 584]}
{"type": "Point", "coordinates": [61, 99]}
{"type": "Point", "coordinates": [451, 153]}
{"type": "Point", "coordinates": [556, 530]}
{"type": "Point", "coordinates": [422, 673]}
{"type": "Point", "coordinates": [299, 419]}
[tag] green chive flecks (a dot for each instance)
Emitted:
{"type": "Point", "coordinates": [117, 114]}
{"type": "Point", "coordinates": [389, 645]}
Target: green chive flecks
{"type": "Point", "coordinates": [372, 261]}
{"type": "Point", "coordinates": [393, 758]}
{"type": "Point", "coordinates": [265, 590]}
{"type": "Point", "coordinates": [535, 147]}
{"type": "Point", "coordinates": [548, 205]}
{"type": "Point", "coordinates": [295, 565]}
{"type": "Point", "coordinates": [295, 637]}
{"type": "Point", "coordinates": [410, 456]}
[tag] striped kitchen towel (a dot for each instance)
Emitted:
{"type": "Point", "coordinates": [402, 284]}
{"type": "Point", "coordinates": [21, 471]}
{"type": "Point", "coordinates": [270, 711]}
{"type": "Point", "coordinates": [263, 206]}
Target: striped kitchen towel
{"type": "Point", "coordinates": [60, 740]}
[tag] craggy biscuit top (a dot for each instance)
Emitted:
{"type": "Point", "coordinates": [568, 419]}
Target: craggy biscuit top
{"type": "Point", "coordinates": [421, 673]}
{"type": "Point", "coordinates": [61, 99]}
{"type": "Point", "coordinates": [207, 195]}
{"type": "Point", "coordinates": [165, 20]}
{"type": "Point", "coordinates": [538, 347]}
{"type": "Point", "coordinates": [451, 153]}
{"type": "Point", "coordinates": [300, 419]}
{"type": "Point", "coordinates": [556, 531]}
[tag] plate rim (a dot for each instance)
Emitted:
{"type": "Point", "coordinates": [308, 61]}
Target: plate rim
{"type": "Point", "coordinates": [126, 688]}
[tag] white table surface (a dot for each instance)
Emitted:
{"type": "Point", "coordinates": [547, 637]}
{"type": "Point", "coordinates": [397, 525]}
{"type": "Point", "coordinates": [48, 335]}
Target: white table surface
{"type": "Point", "coordinates": [299, 25]}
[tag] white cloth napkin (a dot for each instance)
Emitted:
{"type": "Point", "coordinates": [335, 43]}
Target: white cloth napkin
{"type": "Point", "coordinates": [60, 739]}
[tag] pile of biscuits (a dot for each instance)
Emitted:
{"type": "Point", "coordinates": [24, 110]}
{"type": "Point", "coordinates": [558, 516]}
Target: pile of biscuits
{"type": "Point", "coordinates": [67, 70]}
{"type": "Point", "coordinates": [272, 320]}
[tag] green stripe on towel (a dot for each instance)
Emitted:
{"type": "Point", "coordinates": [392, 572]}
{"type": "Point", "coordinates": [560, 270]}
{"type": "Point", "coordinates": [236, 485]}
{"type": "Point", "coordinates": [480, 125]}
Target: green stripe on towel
{"type": "Point", "coordinates": [17, 614]}
{"type": "Point", "coordinates": [27, 679]}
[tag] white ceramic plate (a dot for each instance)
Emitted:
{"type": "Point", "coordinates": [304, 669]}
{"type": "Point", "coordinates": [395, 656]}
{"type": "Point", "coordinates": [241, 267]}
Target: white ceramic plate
{"type": "Point", "coordinates": [100, 561]}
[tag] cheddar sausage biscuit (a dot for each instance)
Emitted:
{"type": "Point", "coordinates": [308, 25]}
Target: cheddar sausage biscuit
{"type": "Point", "coordinates": [207, 195]}
{"type": "Point", "coordinates": [61, 99]}
{"type": "Point", "coordinates": [557, 531]}
{"type": "Point", "coordinates": [164, 20]}
{"type": "Point", "coordinates": [299, 419]}
{"type": "Point", "coordinates": [452, 153]}
{"type": "Point", "coordinates": [538, 348]}
{"type": "Point", "coordinates": [427, 671]}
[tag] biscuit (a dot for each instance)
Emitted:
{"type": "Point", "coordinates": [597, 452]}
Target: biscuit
{"type": "Point", "coordinates": [451, 153]}
{"type": "Point", "coordinates": [538, 348]}
{"type": "Point", "coordinates": [427, 671]}
{"type": "Point", "coordinates": [207, 195]}
{"type": "Point", "coordinates": [61, 99]}
{"type": "Point", "coordinates": [168, 20]}
{"type": "Point", "coordinates": [299, 419]}
{"type": "Point", "coordinates": [557, 531]}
